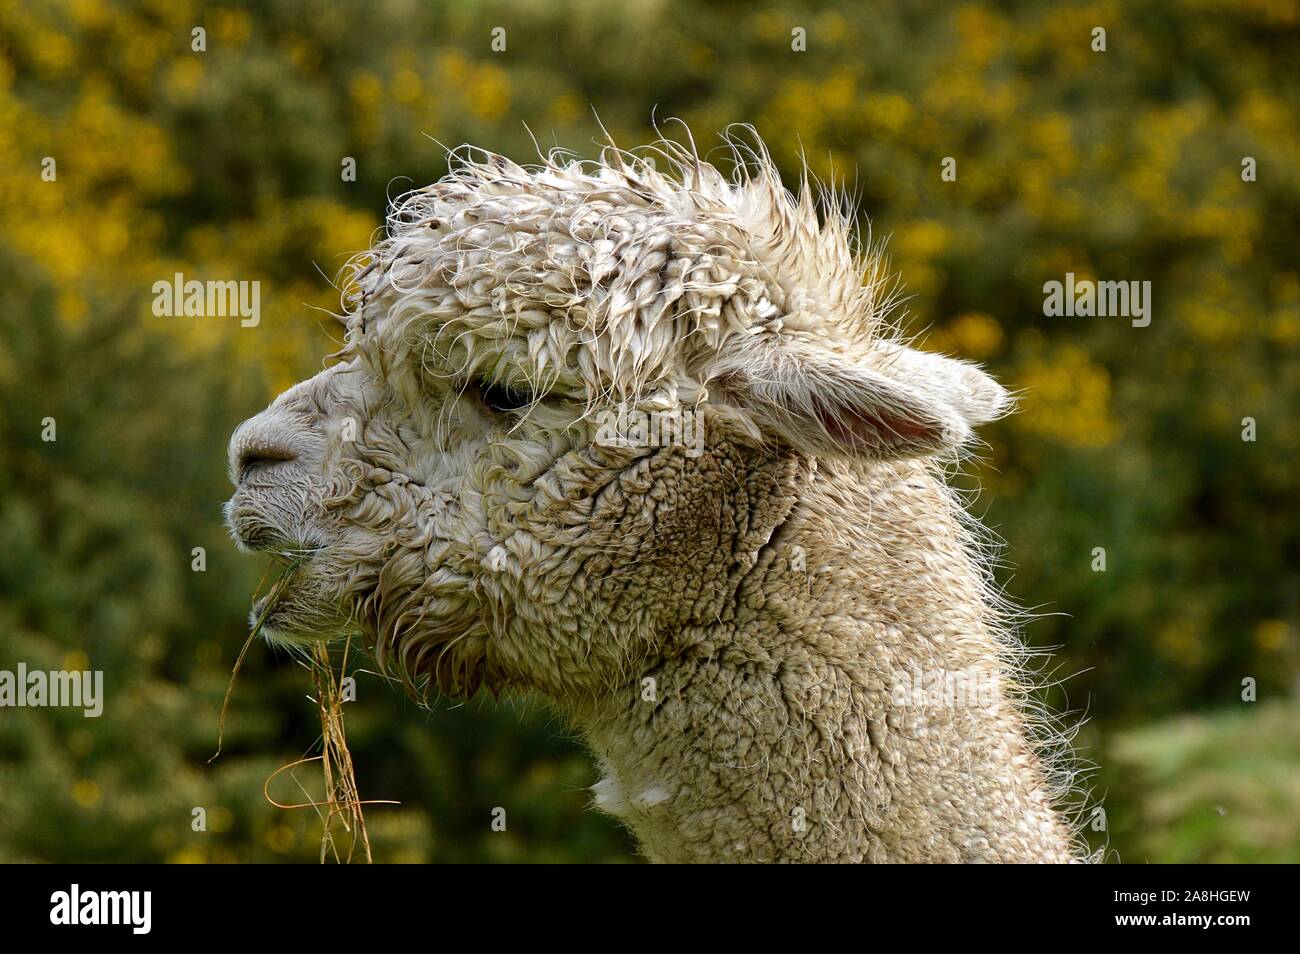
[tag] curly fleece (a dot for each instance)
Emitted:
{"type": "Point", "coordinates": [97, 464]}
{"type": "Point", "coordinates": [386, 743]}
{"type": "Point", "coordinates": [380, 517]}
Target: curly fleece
{"type": "Point", "coordinates": [734, 631]}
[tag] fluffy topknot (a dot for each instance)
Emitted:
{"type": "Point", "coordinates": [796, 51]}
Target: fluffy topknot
{"type": "Point", "coordinates": [633, 260]}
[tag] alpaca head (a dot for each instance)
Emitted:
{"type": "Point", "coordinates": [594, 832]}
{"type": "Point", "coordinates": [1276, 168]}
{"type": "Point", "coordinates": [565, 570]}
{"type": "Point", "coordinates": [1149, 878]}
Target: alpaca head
{"type": "Point", "coordinates": [560, 386]}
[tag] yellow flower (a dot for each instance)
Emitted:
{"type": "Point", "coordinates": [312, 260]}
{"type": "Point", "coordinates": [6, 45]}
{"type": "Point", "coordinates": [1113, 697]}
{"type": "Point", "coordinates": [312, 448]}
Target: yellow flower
{"type": "Point", "coordinates": [1211, 320]}
{"type": "Point", "coordinates": [889, 113]}
{"type": "Point", "coordinates": [982, 34]}
{"type": "Point", "coordinates": [53, 54]}
{"type": "Point", "coordinates": [489, 94]}
{"type": "Point", "coordinates": [85, 793]}
{"type": "Point", "coordinates": [566, 108]}
{"type": "Point", "coordinates": [365, 88]}
{"type": "Point", "coordinates": [1067, 399]}
{"type": "Point", "coordinates": [830, 26]}
{"type": "Point", "coordinates": [230, 27]}
{"type": "Point", "coordinates": [280, 838]}
{"type": "Point", "coordinates": [188, 856]}
{"type": "Point", "coordinates": [1272, 634]}
{"type": "Point", "coordinates": [923, 240]}
{"type": "Point", "coordinates": [975, 335]}
{"type": "Point", "coordinates": [406, 86]}
{"type": "Point", "coordinates": [88, 14]}
{"type": "Point", "coordinates": [184, 75]}
{"type": "Point", "coordinates": [71, 307]}
{"type": "Point", "coordinates": [1179, 641]}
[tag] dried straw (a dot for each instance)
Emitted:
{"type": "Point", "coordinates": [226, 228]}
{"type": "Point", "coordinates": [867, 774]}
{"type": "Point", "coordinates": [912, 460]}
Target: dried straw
{"type": "Point", "coordinates": [342, 799]}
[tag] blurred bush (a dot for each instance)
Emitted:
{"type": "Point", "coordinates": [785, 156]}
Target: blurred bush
{"type": "Point", "coordinates": [226, 163]}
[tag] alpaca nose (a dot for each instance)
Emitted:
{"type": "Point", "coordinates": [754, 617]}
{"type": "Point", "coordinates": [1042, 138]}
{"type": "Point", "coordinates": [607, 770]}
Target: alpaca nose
{"type": "Point", "coordinates": [258, 444]}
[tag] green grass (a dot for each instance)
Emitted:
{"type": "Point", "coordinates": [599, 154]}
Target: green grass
{"type": "Point", "coordinates": [1212, 788]}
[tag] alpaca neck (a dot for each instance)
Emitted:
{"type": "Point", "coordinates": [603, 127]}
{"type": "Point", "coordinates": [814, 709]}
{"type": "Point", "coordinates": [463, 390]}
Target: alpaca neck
{"type": "Point", "coordinates": [847, 703]}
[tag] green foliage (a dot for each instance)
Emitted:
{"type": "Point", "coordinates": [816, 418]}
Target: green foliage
{"type": "Point", "coordinates": [1209, 789]}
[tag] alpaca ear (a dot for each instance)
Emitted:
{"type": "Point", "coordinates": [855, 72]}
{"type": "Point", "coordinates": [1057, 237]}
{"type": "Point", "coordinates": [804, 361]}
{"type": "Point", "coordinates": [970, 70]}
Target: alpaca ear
{"type": "Point", "coordinates": [966, 387]}
{"type": "Point", "coordinates": [889, 402]}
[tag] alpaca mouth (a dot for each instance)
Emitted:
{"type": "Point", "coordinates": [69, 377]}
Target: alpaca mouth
{"type": "Point", "coordinates": [273, 624]}
{"type": "Point", "coordinates": [261, 618]}
{"type": "Point", "coordinates": [259, 526]}
{"type": "Point", "coordinates": [277, 618]}
{"type": "Point", "coordinates": [258, 536]}
{"type": "Point", "coordinates": [272, 606]}
{"type": "Point", "coordinates": [275, 614]}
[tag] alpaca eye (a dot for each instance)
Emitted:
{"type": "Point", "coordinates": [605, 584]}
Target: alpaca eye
{"type": "Point", "coordinates": [502, 397]}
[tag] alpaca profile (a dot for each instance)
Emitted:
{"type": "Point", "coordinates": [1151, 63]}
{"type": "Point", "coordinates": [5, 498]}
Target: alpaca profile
{"type": "Point", "coordinates": [779, 639]}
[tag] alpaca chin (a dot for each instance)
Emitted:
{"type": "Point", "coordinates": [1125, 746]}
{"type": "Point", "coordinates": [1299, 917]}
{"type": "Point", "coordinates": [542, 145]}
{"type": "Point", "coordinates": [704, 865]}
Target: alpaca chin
{"type": "Point", "coordinates": [275, 629]}
{"type": "Point", "coordinates": [274, 637]}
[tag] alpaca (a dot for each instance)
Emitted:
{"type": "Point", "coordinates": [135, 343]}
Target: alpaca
{"type": "Point", "coordinates": [644, 442]}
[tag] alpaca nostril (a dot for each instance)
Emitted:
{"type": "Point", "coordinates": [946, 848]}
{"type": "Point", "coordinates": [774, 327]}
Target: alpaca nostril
{"type": "Point", "coordinates": [257, 455]}
{"type": "Point", "coordinates": [267, 440]}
